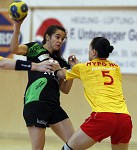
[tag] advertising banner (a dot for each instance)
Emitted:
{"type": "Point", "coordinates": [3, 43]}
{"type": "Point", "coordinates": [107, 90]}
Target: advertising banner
{"type": "Point", "coordinates": [118, 26]}
{"type": "Point", "coordinates": [6, 31]}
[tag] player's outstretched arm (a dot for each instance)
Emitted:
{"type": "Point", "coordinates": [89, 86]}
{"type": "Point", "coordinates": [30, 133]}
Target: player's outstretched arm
{"type": "Point", "coordinates": [7, 63]}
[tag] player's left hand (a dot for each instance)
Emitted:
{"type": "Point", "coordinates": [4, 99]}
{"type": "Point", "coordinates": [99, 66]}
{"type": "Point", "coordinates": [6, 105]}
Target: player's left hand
{"type": "Point", "coordinates": [72, 60]}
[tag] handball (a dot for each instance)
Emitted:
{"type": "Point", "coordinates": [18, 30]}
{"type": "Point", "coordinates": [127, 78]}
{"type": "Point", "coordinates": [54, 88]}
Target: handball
{"type": "Point", "coordinates": [18, 10]}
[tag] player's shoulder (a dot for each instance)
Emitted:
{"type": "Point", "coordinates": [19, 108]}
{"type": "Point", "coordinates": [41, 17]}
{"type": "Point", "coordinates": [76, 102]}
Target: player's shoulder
{"type": "Point", "coordinates": [113, 63]}
{"type": "Point", "coordinates": [80, 65]}
{"type": "Point", "coordinates": [33, 44]}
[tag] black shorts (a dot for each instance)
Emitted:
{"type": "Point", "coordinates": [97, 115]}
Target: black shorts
{"type": "Point", "coordinates": [42, 115]}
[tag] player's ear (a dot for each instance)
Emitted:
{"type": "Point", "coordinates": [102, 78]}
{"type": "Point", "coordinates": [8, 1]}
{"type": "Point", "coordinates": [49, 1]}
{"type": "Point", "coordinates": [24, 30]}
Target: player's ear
{"type": "Point", "coordinates": [47, 37]}
{"type": "Point", "coordinates": [94, 52]}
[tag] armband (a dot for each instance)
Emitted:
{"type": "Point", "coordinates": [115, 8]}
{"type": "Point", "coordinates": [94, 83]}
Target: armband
{"type": "Point", "coordinates": [23, 65]}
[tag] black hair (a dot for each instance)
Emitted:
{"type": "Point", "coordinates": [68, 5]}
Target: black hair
{"type": "Point", "coordinates": [50, 31]}
{"type": "Point", "coordinates": [102, 46]}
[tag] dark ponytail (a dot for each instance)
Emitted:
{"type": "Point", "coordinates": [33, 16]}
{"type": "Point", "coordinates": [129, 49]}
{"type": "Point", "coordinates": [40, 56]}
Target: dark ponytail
{"type": "Point", "coordinates": [110, 49]}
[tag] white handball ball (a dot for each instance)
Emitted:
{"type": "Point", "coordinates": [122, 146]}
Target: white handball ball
{"type": "Point", "coordinates": [18, 10]}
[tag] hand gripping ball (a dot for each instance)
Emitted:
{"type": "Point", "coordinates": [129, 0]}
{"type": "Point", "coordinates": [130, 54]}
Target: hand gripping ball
{"type": "Point", "coordinates": [18, 10]}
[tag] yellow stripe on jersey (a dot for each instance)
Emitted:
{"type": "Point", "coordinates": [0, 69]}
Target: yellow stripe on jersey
{"type": "Point", "coordinates": [101, 80]}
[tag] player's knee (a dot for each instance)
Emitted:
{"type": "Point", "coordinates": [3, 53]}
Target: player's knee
{"type": "Point", "coordinates": [66, 147]}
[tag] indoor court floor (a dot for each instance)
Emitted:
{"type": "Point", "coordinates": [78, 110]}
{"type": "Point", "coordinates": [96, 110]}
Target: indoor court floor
{"type": "Point", "coordinates": [24, 144]}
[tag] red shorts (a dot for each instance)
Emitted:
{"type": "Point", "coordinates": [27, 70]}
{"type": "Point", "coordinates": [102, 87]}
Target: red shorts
{"type": "Point", "coordinates": [114, 125]}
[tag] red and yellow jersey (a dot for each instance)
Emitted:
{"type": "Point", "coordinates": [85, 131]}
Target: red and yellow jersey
{"type": "Point", "coordinates": [101, 80]}
{"type": "Point", "coordinates": [1, 57]}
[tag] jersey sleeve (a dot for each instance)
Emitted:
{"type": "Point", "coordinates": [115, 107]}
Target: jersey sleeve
{"type": "Point", "coordinates": [29, 45]}
{"type": "Point", "coordinates": [73, 73]}
{"type": "Point", "coordinates": [63, 63]}
{"type": "Point", "coordinates": [1, 57]}
{"type": "Point", "coordinates": [33, 49]}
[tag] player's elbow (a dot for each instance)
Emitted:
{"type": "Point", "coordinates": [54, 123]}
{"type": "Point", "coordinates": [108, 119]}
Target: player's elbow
{"type": "Point", "coordinates": [3, 64]}
{"type": "Point", "coordinates": [13, 50]}
{"type": "Point", "coordinates": [65, 91]}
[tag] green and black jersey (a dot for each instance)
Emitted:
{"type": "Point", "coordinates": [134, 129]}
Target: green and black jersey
{"type": "Point", "coordinates": [42, 86]}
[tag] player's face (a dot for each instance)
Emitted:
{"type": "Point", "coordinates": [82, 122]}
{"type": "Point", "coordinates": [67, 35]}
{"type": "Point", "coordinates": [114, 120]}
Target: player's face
{"type": "Point", "coordinates": [56, 40]}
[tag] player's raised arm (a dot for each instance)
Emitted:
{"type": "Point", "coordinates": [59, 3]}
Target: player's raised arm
{"type": "Point", "coordinates": [18, 16]}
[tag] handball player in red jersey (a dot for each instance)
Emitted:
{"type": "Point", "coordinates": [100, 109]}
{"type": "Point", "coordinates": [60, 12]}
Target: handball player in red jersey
{"type": "Point", "coordinates": [101, 80]}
